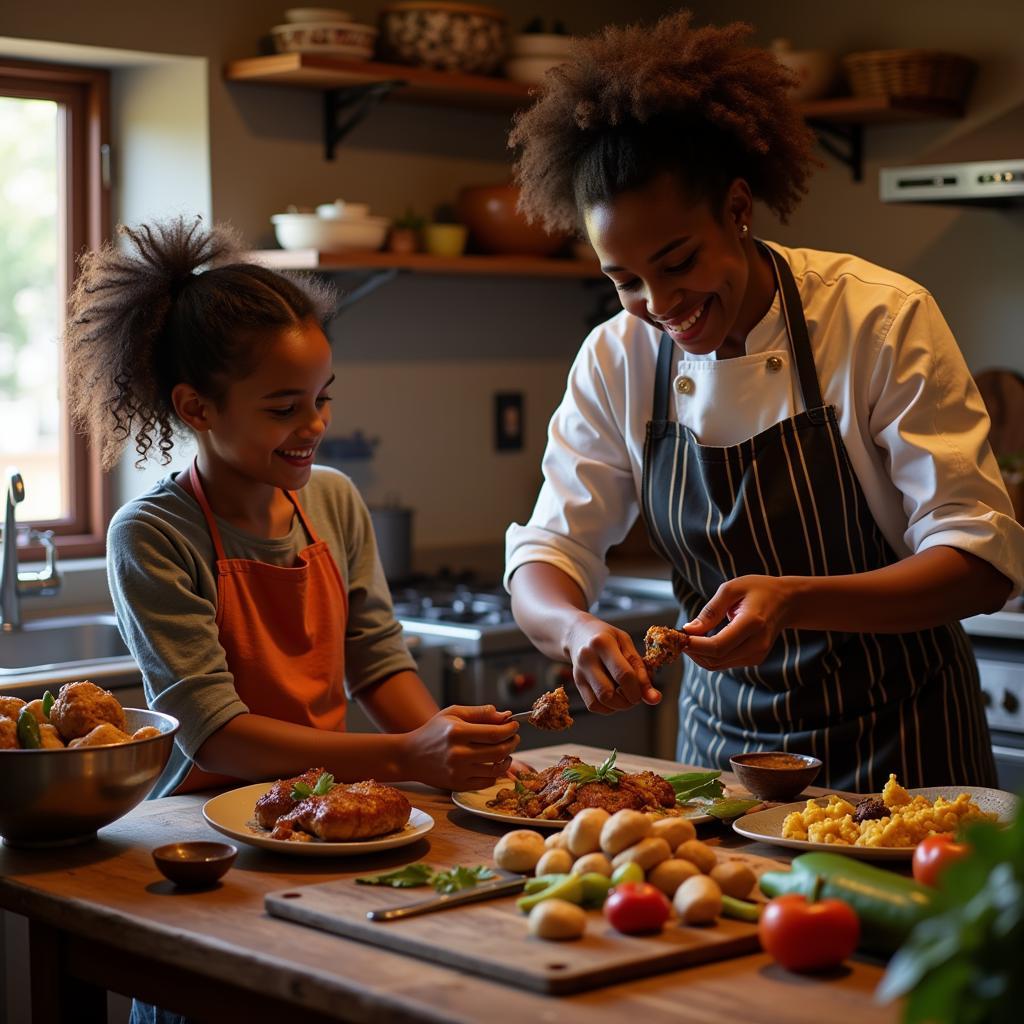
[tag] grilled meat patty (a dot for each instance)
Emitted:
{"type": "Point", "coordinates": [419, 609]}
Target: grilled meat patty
{"type": "Point", "coordinates": [358, 811]}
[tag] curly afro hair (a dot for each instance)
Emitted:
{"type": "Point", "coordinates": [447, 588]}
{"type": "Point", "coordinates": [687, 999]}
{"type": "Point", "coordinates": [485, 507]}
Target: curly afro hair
{"type": "Point", "coordinates": [632, 103]}
{"type": "Point", "coordinates": [147, 316]}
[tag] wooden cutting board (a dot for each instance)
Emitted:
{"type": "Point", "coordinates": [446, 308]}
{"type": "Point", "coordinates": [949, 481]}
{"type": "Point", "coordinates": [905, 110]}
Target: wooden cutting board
{"type": "Point", "coordinates": [490, 938]}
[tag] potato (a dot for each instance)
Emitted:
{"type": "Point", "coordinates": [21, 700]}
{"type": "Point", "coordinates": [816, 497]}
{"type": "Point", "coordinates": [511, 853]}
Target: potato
{"type": "Point", "coordinates": [557, 920]}
{"type": "Point", "coordinates": [701, 854]}
{"type": "Point", "coordinates": [734, 878]}
{"type": "Point", "coordinates": [554, 862]}
{"type": "Point", "coordinates": [519, 850]}
{"type": "Point", "coordinates": [698, 900]}
{"type": "Point", "coordinates": [674, 830]}
{"type": "Point", "coordinates": [556, 840]}
{"type": "Point", "coordinates": [647, 853]}
{"type": "Point", "coordinates": [597, 863]}
{"type": "Point", "coordinates": [670, 874]}
{"type": "Point", "coordinates": [622, 829]}
{"type": "Point", "coordinates": [583, 833]}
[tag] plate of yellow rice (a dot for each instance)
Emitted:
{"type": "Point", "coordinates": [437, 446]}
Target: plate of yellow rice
{"type": "Point", "coordinates": [906, 816]}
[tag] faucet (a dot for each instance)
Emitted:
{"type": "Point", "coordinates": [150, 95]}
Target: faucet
{"type": "Point", "coordinates": [14, 584]}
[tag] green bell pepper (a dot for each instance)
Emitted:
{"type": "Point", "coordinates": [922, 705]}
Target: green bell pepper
{"type": "Point", "coordinates": [29, 736]}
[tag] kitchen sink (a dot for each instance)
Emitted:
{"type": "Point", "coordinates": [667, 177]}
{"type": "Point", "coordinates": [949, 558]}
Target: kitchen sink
{"type": "Point", "coordinates": [62, 649]}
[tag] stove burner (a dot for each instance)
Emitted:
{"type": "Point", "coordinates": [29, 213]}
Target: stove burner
{"type": "Point", "coordinates": [440, 600]}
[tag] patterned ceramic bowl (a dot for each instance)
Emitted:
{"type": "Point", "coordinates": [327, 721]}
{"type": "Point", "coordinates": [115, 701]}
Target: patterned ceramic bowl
{"type": "Point", "coordinates": [340, 38]}
{"type": "Point", "coordinates": [445, 36]}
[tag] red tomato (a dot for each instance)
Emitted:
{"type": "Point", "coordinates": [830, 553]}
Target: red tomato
{"type": "Point", "coordinates": [634, 907]}
{"type": "Point", "coordinates": [933, 855]}
{"type": "Point", "coordinates": [806, 936]}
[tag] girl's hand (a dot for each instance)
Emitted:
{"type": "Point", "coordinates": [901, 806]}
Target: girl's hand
{"type": "Point", "coordinates": [754, 609]}
{"type": "Point", "coordinates": [606, 668]}
{"type": "Point", "coordinates": [462, 747]}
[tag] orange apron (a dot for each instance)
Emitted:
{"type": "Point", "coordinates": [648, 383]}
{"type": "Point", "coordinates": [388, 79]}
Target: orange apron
{"type": "Point", "coordinates": [283, 631]}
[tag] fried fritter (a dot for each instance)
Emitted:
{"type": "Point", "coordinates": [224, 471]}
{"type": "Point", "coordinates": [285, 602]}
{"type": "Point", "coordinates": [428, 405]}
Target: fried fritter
{"type": "Point", "coordinates": [82, 706]}
{"type": "Point", "coordinates": [278, 800]}
{"type": "Point", "coordinates": [104, 735]}
{"type": "Point", "coordinates": [146, 732]}
{"type": "Point", "coordinates": [359, 811]}
{"type": "Point", "coordinates": [551, 711]}
{"type": "Point", "coordinates": [11, 707]}
{"type": "Point", "coordinates": [662, 646]}
{"type": "Point", "coordinates": [49, 737]}
{"type": "Point", "coordinates": [8, 733]}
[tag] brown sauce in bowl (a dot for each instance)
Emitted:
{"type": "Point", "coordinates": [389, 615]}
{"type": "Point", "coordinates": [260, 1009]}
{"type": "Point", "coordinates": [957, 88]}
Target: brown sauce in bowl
{"type": "Point", "coordinates": [775, 761]}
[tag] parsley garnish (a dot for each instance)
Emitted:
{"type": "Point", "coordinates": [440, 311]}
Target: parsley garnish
{"type": "Point", "coordinates": [414, 875]}
{"type": "Point", "coordinates": [605, 772]}
{"type": "Point", "coordinates": [323, 786]}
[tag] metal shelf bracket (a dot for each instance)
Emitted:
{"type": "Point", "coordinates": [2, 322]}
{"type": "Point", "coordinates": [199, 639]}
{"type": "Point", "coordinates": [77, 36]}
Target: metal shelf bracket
{"type": "Point", "coordinates": [845, 142]}
{"type": "Point", "coordinates": [345, 107]}
{"type": "Point", "coordinates": [367, 286]}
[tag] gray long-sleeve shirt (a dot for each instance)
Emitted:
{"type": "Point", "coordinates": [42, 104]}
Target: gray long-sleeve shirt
{"type": "Point", "coordinates": [160, 568]}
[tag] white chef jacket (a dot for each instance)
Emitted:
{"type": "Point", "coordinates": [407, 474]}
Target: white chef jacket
{"type": "Point", "coordinates": [912, 420]}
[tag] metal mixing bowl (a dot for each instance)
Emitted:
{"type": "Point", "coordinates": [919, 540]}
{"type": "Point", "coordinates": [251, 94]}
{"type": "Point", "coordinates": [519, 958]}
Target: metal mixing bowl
{"type": "Point", "coordinates": [60, 797]}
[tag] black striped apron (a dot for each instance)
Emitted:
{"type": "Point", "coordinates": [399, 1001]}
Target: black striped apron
{"type": "Point", "coordinates": [787, 502]}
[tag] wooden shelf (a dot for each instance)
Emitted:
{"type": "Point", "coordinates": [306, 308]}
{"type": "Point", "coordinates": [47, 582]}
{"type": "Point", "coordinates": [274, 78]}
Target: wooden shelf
{"type": "Point", "coordinates": [422, 85]}
{"type": "Point", "coordinates": [878, 110]}
{"type": "Point", "coordinates": [424, 263]}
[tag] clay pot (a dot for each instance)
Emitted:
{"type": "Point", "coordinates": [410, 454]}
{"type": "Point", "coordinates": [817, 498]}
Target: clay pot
{"type": "Point", "coordinates": [489, 211]}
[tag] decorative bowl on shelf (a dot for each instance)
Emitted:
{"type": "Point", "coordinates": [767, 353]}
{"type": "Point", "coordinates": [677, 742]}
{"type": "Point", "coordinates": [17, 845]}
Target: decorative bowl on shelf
{"type": "Point", "coordinates": [296, 15]}
{"type": "Point", "coordinates": [532, 54]}
{"type": "Point", "coordinates": [910, 74]}
{"type": "Point", "coordinates": [445, 239]}
{"type": "Point", "coordinates": [817, 71]}
{"type": "Point", "coordinates": [338, 38]}
{"type": "Point", "coordinates": [447, 36]}
{"type": "Point", "coordinates": [496, 226]}
{"type": "Point", "coordinates": [341, 209]}
{"type": "Point", "coordinates": [308, 231]}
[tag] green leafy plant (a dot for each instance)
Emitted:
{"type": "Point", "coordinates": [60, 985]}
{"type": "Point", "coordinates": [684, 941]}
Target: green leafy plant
{"type": "Point", "coordinates": [324, 784]}
{"type": "Point", "coordinates": [962, 963]}
{"type": "Point", "coordinates": [410, 219]}
{"type": "Point", "coordinates": [605, 772]}
{"type": "Point", "coordinates": [413, 875]}
{"type": "Point", "coordinates": [690, 786]}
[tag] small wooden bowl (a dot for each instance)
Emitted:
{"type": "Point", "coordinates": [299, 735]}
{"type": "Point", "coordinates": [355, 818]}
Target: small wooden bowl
{"type": "Point", "coordinates": [768, 777]}
{"type": "Point", "coordinates": [195, 864]}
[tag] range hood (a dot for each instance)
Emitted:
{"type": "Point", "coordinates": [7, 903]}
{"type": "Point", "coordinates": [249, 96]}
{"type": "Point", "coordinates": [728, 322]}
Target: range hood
{"type": "Point", "coordinates": [992, 182]}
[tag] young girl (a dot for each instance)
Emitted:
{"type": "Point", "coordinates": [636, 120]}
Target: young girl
{"type": "Point", "coordinates": [248, 587]}
{"type": "Point", "coordinates": [797, 428]}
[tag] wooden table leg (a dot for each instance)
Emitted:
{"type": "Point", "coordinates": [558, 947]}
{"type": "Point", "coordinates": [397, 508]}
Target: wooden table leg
{"type": "Point", "coordinates": [58, 996]}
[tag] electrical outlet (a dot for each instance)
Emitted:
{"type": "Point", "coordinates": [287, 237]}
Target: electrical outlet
{"type": "Point", "coordinates": [508, 421]}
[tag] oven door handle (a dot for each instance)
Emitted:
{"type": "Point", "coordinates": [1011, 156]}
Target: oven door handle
{"type": "Point", "coordinates": [1008, 753]}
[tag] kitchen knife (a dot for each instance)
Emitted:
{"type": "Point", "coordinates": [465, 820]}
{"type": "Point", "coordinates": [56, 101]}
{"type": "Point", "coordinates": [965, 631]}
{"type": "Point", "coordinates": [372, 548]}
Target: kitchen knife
{"type": "Point", "coordinates": [450, 899]}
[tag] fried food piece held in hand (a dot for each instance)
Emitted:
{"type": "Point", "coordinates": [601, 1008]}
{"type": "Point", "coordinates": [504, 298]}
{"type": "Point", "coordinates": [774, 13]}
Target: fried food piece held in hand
{"type": "Point", "coordinates": [662, 645]}
{"type": "Point", "coordinates": [551, 711]}
{"type": "Point", "coordinates": [82, 706]}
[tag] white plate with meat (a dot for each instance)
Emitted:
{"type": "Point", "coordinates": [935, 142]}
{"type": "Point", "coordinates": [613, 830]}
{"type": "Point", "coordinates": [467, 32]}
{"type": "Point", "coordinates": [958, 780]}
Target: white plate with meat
{"type": "Point", "coordinates": [479, 801]}
{"type": "Point", "coordinates": [234, 815]}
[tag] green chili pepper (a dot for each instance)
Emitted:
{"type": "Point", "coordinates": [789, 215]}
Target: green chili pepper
{"type": "Point", "coordinates": [888, 905]}
{"type": "Point", "coordinates": [48, 702]}
{"type": "Point", "coordinates": [28, 731]}
{"type": "Point", "coordinates": [741, 910]}
{"type": "Point", "coordinates": [595, 888]}
{"type": "Point", "coordinates": [541, 882]}
{"type": "Point", "coordinates": [569, 887]}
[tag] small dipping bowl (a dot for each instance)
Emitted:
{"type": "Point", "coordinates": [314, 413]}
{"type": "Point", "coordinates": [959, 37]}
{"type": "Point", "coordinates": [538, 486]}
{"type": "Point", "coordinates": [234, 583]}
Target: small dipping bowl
{"type": "Point", "coordinates": [196, 864]}
{"type": "Point", "coordinates": [775, 774]}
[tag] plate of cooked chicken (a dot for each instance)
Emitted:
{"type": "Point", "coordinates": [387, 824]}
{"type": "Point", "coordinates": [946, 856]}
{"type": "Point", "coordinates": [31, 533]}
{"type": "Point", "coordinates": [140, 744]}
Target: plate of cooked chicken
{"type": "Point", "coordinates": [312, 815]}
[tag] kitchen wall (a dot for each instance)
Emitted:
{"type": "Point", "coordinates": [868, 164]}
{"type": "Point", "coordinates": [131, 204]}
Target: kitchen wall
{"type": "Point", "coordinates": [419, 360]}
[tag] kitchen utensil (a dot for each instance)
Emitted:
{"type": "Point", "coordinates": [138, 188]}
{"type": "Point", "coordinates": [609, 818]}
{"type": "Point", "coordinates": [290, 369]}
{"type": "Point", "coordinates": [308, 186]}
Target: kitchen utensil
{"type": "Point", "coordinates": [496, 226]}
{"type": "Point", "coordinates": [309, 231]}
{"type": "Point", "coordinates": [392, 527]}
{"type": "Point", "coordinates": [61, 797]}
{"type": "Point", "coordinates": [446, 36]}
{"type": "Point", "coordinates": [340, 38]}
{"type": "Point", "coordinates": [773, 783]}
{"type": "Point", "coordinates": [194, 864]}
{"type": "Point", "coordinates": [231, 814]}
{"type": "Point", "coordinates": [766, 826]}
{"type": "Point", "coordinates": [489, 937]}
{"type": "Point", "coordinates": [445, 239]}
{"type": "Point", "coordinates": [506, 887]}
{"type": "Point", "coordinates": [816, 70]}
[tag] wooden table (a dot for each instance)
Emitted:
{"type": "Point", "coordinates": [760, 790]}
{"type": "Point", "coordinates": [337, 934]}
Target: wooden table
{"type": "Point", "coordinates": [102, 917]}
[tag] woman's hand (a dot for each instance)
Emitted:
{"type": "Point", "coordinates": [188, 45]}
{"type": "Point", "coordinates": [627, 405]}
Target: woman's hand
{"type": "Point", "coordinates": [755, 610]}
{"type": "Point", "coordinates": [462, 748]}
{"type": "Point", "coordinates": [606, 668]}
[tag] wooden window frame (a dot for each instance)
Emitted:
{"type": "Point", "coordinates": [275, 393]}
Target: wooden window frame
{"type": "Point", "coordinates": [84, 95]}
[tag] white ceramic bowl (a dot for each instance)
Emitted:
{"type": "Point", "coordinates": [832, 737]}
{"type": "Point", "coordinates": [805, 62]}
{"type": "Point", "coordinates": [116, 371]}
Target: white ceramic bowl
{"type": "Point", "coordinates": [308, 231]}
{"type": "Point", "coordinates": [539, 44]}
{"type": "Point", "coordinates": [344, 38]}
{"type": "Point", "coordinates": [340, 209]}
{"type": "Point", "coordinates": [530, 70]}
{"type": "Point", "coordinates": [297, 15]}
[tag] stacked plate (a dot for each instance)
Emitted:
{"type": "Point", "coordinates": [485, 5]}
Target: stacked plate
{"type": "Point", "coordinates": [324, 30]}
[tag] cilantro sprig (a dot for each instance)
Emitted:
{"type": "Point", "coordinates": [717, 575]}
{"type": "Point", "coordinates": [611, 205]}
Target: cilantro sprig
{"type": "Point", "coordinates": [413, 875]}
{"type": "Point", "coordinates": [605, 772]}
{"type": "Point", "coordinates": [323, 785]}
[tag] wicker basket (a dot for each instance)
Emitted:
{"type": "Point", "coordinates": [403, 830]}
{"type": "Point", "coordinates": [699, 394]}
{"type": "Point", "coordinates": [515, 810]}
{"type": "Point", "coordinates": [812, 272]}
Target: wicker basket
{"type": "Point", "coordinates": [922, 74]}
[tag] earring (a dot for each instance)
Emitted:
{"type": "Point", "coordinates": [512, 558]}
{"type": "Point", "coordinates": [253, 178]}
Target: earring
{"type": "Point", "coordinates": [743, 230]}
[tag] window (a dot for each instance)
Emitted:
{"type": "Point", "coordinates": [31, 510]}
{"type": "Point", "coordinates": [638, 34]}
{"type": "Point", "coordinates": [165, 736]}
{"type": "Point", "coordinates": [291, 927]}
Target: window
{"type": "Point", "coordinates": [53, 206]}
